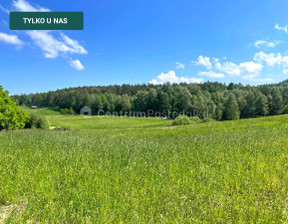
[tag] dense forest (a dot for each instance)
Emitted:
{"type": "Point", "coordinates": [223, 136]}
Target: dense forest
{"type": "Point", "coordinates": [217, 100]}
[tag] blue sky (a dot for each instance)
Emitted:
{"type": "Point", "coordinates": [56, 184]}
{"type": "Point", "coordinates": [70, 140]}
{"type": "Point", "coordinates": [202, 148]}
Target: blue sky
{"type": "Point", "coordinates": [127, 41]}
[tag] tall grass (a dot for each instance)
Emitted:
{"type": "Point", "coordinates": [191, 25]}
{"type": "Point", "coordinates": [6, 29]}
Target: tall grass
{"type": "Point", "coordinates": [217, 172]}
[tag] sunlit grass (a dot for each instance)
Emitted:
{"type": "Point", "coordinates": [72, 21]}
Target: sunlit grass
{"type": "Point", "coordinates": [40, 111]}
{"type": "Point", "coordinates": [145, 171]}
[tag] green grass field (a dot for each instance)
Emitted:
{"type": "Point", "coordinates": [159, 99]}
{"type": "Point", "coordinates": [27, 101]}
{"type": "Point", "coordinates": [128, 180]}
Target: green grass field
{"type": "Point", "coordinates": [40, 111]}
{"type": "Point", "coordinates": [142, 170]}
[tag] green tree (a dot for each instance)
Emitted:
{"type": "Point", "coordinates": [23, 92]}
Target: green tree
{"type": "Point", "coordinates": [261, 105]}
{"type": "Point", "coordinates": [249, 108]}
{"type": "Point", "coordinates": [285, 109]}
{"type": "Point", "coordinates": [111, 102]}
{"type": "Point", "coordinates": [152, 100]}
{"type": "Point", "coordinates": [219, 112]}
{"type": "Point", "coordinates": [231, 108]}
{"type": "Point", "coordinates": [97, 104]}
{"type": "Point", "coordinates": [231, 86]}
{"type": "Point", "coordinates": [140, 101]}
{"type": "Point", "coordinates": [285, 95]}
{"type": "Point", "coordinates": [184, 98]}
{"type": "Point", "coordinates": [241, 100]}
{"type": "Point", "coordinates": [11, 117]}
{"type": "Point", "coordinates": [125, 102]}
{"type": "Point", "coordinates": [275, 104]}
{"type": "Point", "coordinates": [105, 102]}
{"type": "Point", "coordinates": [163, 101]}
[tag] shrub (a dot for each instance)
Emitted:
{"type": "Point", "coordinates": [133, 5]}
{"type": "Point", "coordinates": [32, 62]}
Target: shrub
{"type": "Point", "coordinates": [208, 119]}
{"type": "Point", "coordinates": [37, 121]}
{"type": "Point", "coordinates": [11, 117]}
{"type": "Point", "coordinates": [67, 111]}
{"type": "Point", "coordinates": [182, 120]}
{"type": "Point", "coordinates": [195, 119]}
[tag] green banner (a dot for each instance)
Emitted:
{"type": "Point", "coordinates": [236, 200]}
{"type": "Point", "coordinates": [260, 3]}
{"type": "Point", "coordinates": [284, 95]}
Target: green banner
{"type": "Point", "coordinates": [46, 20]}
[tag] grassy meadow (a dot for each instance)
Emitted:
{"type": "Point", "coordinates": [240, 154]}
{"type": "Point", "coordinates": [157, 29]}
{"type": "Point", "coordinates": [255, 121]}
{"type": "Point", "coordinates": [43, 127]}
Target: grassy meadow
{"type": "Point", "coordinates": [143, 170]}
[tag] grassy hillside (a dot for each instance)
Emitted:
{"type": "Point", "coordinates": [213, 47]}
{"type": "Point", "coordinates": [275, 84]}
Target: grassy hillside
{"type": "Point", "coordinates": [143, 171]}
{"type": "Point", "coordinates": [40, 111]}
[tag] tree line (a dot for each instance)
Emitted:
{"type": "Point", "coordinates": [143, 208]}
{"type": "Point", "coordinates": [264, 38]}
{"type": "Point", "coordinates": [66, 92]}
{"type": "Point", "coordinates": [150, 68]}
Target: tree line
{"type": "Point", "coordinates": [218, 100]}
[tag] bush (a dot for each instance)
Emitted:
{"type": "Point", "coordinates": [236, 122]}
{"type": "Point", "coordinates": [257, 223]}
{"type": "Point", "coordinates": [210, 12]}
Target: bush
{"type": "Point", "coordinates": [182, 120]}
{"type": "Point", "coordinates": [208, 119]}
{"type": "Point", "coordinates": [37, 121]}
{"type": "Point", "coordinates": [11, 117]}
{"type": "Point", "coordinates": [67, 111]}
{"type": "Point", "coordinates": [195, 119]}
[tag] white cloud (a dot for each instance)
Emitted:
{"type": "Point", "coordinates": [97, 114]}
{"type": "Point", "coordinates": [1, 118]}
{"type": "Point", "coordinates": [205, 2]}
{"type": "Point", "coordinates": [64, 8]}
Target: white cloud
{"type": "Point", "coordinates": [246, 70]}
{"type": "Point", "coordinates": [283, 28]}
{"type": "Point", "coordinates": [76, 64]}
{"type": "Point", "coordinates": [172, 78]}
{"type": "Point", "coordinates": [25, 6]}
{"type": "Point", "coordinates": [265, 43]}
{"type": "Point", "coordinates": [211, 74]}
{"type": "Point", "coordinates": [204, 61]}
{"type": "Point", "coordinates": [4, 10]}
{"type": "Point", "coordinates": [271, 59]}
{"type": "Point", "coordinates": [250, 68]}
{"type": "Point", "coordinates": [229, 68]}
{"type": "Point", "coordinates": [52, 46]}
{"type": "Point", "coordinates": [75, 46]}
{"type": "Point", "coordinates": [10, 39]}
{"type": "Point", "coordinates": [180, 65]}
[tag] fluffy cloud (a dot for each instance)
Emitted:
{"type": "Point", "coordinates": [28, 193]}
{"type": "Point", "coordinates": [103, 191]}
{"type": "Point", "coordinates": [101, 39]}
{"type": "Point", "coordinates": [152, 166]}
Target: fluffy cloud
{"type": "Point", "coordinates": [228, 68]}
{"type": "Point", "coordinates": [283, 28]}
{"type": "Point", "coordinates": [75, 46]}
{"type": "Point", "coordinates": [271, 59]}
{"type": "Point", "coordinates": [52, 46]}
{"type": "Point", "coordinates": [76, 64]}
{"type": "Point", "coordinates": [172, 78]}
{"type": "Point", "coordinates": [25, 6]}
{"type": "Point", "coordinates": [10, 39]}
{"type": "Point", "coordinates": [211, 74]}
{"type": "Point", "coordinates": [246, 70]}
{"type": "Point", "coordinates": [180, 65]}
{"type": "Point", "coordinates": [265, 43]}
{"type": "Point", "coordinates": [250, 67]}
{"type": "Point", "coordinates": [204, 61]}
